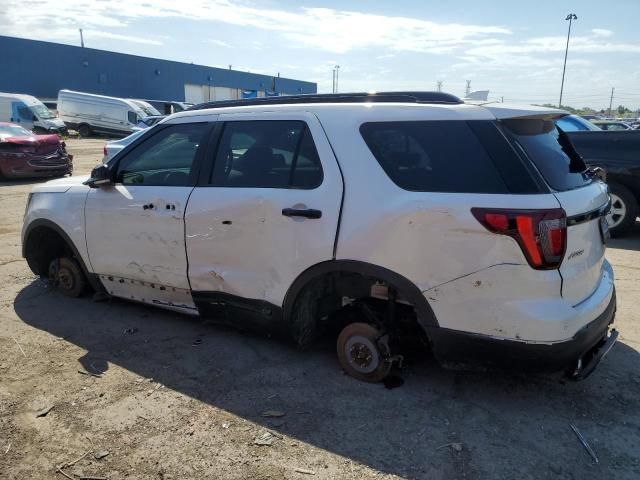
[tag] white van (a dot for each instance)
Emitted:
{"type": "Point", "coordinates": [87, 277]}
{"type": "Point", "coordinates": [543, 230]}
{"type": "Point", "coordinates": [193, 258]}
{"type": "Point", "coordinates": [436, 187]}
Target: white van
{"type": "Point", "coordinates": [29, 113]}
{"type": "Point", "coordinates": [88, 113]}
{"type": "Point", "coordinates": [145, 106]}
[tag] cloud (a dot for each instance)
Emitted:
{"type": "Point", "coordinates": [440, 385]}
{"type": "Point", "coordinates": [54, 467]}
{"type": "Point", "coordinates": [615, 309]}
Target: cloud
{"type": "Point", "coordinates": [601, 32]}
{"type": "Point", "coordinates": [327, 29]}
{"type": "Point", "coordinates": [219, 43]}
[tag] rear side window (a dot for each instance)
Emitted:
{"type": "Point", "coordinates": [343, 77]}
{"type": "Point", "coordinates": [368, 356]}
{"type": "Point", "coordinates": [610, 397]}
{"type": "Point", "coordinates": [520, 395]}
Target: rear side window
{"type": "Point", "coordinates": [267, 154]}
{"type": "Point", "coordinates": [550, 150]}
{"type": "Point", "coordinates": [433, 156]}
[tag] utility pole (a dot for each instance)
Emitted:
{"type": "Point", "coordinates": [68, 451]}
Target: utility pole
{"type": "Point", "coordinates": [468, 89]}
{"type": "Point", "coordinates": [81, 38]}
{"type": "Point", "coordinates": [337, 74]}
{"type": "Point", "coordinates": [439, 85]}
{"type": "Point", "coordinates": [611, 102]}
{"type": "Point", "coordinates": [571, 17]}
{"type": "Point", "coordinates": [333, 76]}
{"type": "Point", "coordinates": [502, 99]}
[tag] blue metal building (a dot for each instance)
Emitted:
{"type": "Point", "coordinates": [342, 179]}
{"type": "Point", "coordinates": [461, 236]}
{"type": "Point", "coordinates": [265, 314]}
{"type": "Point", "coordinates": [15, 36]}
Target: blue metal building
{"type": "Point", "coordinates": [42, 69]}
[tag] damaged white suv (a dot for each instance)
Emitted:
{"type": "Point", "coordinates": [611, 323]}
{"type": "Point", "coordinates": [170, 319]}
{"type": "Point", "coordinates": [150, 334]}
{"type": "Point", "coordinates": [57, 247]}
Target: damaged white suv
{"type": "Point", "coordinates": [374, 217]}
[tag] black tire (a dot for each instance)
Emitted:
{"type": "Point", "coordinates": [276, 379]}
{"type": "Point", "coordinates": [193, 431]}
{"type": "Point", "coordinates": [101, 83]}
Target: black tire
{"type": "Point", "coordinates": [362, 354]}
{"type": "Point", "coordinates": [66, 276]}
{"type": "Point", "coordinates": [624, 210]}
{"type": "Point", "coordinates": [84, 130]}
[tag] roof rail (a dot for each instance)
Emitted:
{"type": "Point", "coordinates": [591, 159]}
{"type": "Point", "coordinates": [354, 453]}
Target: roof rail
{"type": "Point", "coordinates": [378, 97]}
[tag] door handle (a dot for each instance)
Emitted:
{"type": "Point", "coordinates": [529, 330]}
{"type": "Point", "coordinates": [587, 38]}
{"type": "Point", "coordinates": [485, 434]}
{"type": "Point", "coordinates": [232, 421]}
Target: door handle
{"type": "Point", "coordinates": [306, 213]}
{"type": "Point", "coordinates": [148, 206]}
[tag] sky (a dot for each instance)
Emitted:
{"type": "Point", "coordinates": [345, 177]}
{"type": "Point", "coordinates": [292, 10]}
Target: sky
{"type": "Point", "coordinates": [514, 49]}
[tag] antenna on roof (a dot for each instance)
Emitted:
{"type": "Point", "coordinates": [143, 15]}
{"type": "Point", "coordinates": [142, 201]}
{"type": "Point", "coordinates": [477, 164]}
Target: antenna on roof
{"type": "Point", "coordinates": [81, 38]}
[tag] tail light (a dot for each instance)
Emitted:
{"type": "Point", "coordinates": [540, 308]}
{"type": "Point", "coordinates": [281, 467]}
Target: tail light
{"type": "Point", "coordinates": [541, 234]}
{"type": "Point", "coordinates": [104, 149]}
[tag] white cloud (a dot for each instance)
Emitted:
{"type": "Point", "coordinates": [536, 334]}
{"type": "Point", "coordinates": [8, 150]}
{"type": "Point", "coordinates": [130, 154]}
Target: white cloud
{"type": "Point", "coordinates": [219, 43]}
{"type": "Point", "coordinates": [327, 29]}
{"type": "Point", "coordinates": [601, 32]}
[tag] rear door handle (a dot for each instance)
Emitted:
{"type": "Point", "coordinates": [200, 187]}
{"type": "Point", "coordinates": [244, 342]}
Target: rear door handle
{"type": "Point", "coordinates": [306, 213]}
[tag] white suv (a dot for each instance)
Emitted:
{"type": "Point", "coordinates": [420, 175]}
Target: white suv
{"type": "Point", "coordinates": [379, 218]}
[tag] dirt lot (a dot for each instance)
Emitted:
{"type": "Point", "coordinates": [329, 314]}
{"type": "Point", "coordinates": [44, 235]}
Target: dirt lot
{"type": "Point", "coordinates": [174, 398]}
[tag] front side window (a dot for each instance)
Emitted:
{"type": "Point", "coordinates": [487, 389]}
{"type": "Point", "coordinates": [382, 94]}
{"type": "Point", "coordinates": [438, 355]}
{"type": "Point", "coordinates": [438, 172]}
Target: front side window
{"type": "Point", "coordinates": [267, 154]}
{"type": "Point", "coordinates": [165, 159]}
{"type": "Point", "coordinates": [433, 156]}
{"type": "Point", "coordinates": [25, 113]}
{"type": "Point", "coordinates": [132, 117]}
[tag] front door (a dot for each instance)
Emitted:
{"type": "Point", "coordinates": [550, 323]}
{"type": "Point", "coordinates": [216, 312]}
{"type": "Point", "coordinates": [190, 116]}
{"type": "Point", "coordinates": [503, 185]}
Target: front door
{"type": "Point", "coordinates": [268, 210]}
{"type": "Point", "coordinates": [135, 228]}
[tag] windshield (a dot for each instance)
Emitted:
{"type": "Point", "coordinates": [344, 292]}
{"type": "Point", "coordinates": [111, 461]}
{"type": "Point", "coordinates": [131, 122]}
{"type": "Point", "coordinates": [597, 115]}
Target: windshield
{"type": "Point", "coordinates": [551, 152]}
{"type": "Point", "coordinates": [146, 108]}
{"type": "Point", "coordinates": [574, 123]}
{"type": "Point", "coordinates": [13, 131]}
{"type": "Point", "coordinates": [42, 112]}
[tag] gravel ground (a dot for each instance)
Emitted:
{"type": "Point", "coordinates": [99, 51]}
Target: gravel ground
{"type": "Point", "coordinates": [170, 397]}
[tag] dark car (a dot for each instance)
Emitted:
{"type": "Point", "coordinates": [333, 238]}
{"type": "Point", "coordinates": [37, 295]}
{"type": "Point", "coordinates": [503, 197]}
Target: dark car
{"type": "Point", "coordinates": [23, 154]}
{"type": "Point", "coordinates": [618, 153]}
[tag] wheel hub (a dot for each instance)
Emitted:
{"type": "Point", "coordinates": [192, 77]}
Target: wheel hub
{"type": "Point", "coordinates": [362, 353]}
{"type": "Point", "coordinates": [65, 279]}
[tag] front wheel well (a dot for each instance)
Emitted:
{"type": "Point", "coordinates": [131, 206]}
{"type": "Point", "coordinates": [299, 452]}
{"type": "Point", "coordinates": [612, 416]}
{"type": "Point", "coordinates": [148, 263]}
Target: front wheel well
{"type": "Point", "coordinates": [43, 245]}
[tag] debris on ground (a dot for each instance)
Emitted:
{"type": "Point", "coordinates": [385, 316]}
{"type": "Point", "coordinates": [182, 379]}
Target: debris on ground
{"type": "Point", "coordinates": [44, 412]}
{"type": "Point", "coordinates": [264, 439]}
{"type": "Point", "coordinates": [20, 347]}
{"type": "Point", "coordinates": [305, 471]}
{"type": "Point", "coordinates": [458, 447]}
{"type": "Point", "coordinates": [83, 372]}
{"type": "Point", "coordinates": [584, 443]}
{"type": "Point", "coordinates": [226, 425]}
{"type": "Point", "coordinates": [100, 454]}
{"type": "Point", "coordinates": [272, 414]}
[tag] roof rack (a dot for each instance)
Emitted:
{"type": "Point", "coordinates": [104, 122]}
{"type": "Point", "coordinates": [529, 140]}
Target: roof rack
{"type": "Point", "coordinates": [378, 97]}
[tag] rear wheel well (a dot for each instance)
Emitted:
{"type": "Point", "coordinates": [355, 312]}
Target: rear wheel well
{"type": "Point", "coordinates": [317, 299]}
{"type": "Point", "coordinates": [43, 245]}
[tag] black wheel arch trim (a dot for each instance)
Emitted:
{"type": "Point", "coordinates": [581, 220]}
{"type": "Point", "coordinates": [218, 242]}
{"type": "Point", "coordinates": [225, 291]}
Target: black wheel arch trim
{"type": "Point", "coordinates": [406, 289]}
{"type": "Point", "coordinates": [43, 222]}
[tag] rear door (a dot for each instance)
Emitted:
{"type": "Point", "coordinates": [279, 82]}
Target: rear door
{"type": "Point", "coordinates": [267, 210]}
{"type": "Point", "coordinates": [583, 199]}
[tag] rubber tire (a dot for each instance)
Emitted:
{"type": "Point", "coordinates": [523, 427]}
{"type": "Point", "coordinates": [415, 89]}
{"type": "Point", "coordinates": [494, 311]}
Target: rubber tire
{"type": "Point", "coordinates": [78, 280]}
{"type": "Point", "coordinates": [84, 130]}
{"type": "Point", "coordinates": [370, 332]}
{"type": "Point", "coordinates": [632, 209]}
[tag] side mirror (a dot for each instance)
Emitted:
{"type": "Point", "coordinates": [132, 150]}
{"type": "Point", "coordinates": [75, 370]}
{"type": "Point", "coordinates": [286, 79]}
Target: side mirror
{"type": "Point", "coordinates": [101, 175]}
{"type": "Point", "coordinates": [34, 119]}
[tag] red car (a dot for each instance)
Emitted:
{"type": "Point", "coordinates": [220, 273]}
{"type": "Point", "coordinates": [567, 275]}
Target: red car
{"type": "Point", "coordinates": [23, 154]}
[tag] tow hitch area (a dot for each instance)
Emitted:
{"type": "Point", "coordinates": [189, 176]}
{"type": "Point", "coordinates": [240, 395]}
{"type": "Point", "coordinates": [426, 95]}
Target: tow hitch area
{"type": "Point", "coordinates": [590, 360]}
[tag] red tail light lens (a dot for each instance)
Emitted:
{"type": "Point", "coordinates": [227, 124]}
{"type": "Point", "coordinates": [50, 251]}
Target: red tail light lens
{"type": "Point", "coordinates": [541, 234]}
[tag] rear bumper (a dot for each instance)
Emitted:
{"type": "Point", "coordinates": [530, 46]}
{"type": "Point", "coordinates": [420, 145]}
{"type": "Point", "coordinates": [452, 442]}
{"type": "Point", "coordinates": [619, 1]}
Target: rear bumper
{"type": "Point", "coordinates": [577, 356]}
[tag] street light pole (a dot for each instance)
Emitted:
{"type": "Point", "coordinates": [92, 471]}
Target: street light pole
{"type": "Point", "coordinates": [337, 68]}
{"type": "Point", "coordinates": [571, 17]}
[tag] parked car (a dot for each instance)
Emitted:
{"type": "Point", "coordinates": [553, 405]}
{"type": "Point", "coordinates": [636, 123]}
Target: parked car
{"type": "Point", "coordinates": [618, 153]}
{"type": "Point", "coordinates": [150, 121]}
{"type": "Point", "coordinates": [149, 109]}
{"type": "Point", "coordinates": [23, 154]}
{"type": "Point", "coordinates": [167, 107]}
{"type": "Point", "coordinates": [574, 123]}
{"type": "Point", "coordinates": [612, 125]}
{"type": "Point", "coordinates": [87, 113]}
{"type": "Point", "coordinates": [30, 113]}
{"type": "Point", "coordinates": [115, 146]}
{"type": "Point", "coordinates": [376, 218]}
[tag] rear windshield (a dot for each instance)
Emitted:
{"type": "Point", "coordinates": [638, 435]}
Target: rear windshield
{"type": "Point", "coordinates": [433, 156]}
{"type": "Point", "coordinates": [551, 152]}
